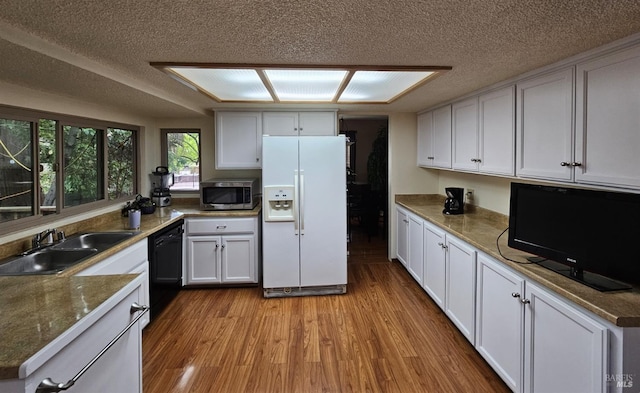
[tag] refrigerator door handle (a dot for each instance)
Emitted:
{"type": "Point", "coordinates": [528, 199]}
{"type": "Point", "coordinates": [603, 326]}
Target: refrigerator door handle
{"type": "Point", "coordinates": [296, 198]}
{"type": "Point", "coordinates": [301, 202]}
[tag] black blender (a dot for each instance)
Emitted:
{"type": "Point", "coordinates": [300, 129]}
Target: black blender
{"type": "Point", "coordinates": [161, 195]}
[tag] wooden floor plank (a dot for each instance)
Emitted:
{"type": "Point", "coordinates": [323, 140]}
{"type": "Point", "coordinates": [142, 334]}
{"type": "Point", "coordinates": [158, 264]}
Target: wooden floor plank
{"type": "Point", "coordinates": [384, 335]}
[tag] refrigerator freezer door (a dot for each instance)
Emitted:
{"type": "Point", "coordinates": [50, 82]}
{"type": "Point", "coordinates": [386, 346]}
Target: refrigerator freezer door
{"type": "Point", "coordinates": [280, 243]}
{"type": "Point", "coordinates": [323, 204]}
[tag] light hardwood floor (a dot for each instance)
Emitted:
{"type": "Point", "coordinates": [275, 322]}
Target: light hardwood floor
{"type": "Point", "coordinates": [384, 335]}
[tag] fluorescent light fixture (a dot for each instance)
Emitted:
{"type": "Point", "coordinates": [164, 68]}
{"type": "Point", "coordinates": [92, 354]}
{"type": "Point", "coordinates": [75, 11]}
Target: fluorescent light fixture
{"type": "Point", "coordinates": [380, 86]}
{"type": "Point", "coordinates": [290, 84]}
{"type": "Point", "coordinates": [305, 85]}
{"type": "Point", "coordinates": [226, 84]}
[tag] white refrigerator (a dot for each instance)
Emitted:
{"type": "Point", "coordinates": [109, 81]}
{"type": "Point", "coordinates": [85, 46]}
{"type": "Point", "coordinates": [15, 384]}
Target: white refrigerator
{"type": "Point", "coordinates": [304, 238]}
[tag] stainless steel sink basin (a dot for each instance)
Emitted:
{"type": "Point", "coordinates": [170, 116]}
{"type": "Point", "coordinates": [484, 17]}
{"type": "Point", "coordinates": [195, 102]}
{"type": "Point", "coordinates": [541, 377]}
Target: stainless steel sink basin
{"type": "Point", "coordinates": [56, 258]}
{"type": "Point", "coordinates": [45, 261]}
{"type": "Point", "coordinates": [98, 240]}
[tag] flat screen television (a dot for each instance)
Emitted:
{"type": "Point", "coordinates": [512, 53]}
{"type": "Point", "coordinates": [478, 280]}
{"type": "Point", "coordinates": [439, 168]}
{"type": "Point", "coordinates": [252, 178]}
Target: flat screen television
{"type": "Point", "coordinates": [590, 236]}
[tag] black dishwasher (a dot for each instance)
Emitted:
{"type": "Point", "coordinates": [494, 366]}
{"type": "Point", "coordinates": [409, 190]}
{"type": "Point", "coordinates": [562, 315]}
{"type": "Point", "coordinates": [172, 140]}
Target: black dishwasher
{"type": "Point", "coordinates": [165, 266]}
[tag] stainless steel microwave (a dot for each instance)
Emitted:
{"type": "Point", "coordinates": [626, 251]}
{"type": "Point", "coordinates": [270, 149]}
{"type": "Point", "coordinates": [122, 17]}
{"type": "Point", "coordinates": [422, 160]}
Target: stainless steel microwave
{"type": "Point", "coordinates": [229, 194]}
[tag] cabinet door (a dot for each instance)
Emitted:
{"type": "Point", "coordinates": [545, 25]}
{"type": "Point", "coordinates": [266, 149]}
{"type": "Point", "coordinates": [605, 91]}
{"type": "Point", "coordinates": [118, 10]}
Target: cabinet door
{"type": "Point", "coordinates": [435, 266]}
{"type": "Point", "coordinates": [317, 123]}
{"type": "Point", "coordinates": [425, 139]}
{"type": "Point", "coordinates": [565, 351]}
{"type": "Point", "coordinates": [461, 286]}
{"type": "Point", "coordinates": [442, 137]}
{"type": "Point", "coordinates": [545, 126]}
{"type": "Point", "coordinates": [203, 260]}
{"type": "Point", "coordinates": [416, 249]}
{"type": "Point", "coordinates": [496, 132]}
{"type": "Point", "coordinates": [238, 259]}
{"type": "Point", "coordinates": [280, 123]}
{"type": "Point", "coordinates": [402, 238]}
{"type": "Point", "coordinates": [607, 120]}
{"type": "Point", "coordinates": [238, 140]}
{"type": "Point", "coordinates": [500, 320]}
{"type": "Point", "coordinates": [464, 125]}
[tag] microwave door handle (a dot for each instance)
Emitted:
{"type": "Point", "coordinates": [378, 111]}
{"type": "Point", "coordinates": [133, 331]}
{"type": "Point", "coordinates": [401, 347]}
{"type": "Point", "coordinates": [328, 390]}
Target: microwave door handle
{"type": "Point", "coordinates": [301, 202]}
{"type": "Point", "coordinates": [295, 202]}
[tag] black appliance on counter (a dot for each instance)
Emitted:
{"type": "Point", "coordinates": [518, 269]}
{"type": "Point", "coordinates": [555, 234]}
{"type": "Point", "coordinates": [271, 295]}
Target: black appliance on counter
{"type": "Point", "coordinates": [165, 266]}
{"type": "Point", "coordinates": [454, 204]}
{"type": "Point", "coordinates": [161, 196]}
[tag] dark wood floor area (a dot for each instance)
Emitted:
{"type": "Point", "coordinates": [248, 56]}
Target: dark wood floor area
{"type": "Point", "coordinates": [384, 335]}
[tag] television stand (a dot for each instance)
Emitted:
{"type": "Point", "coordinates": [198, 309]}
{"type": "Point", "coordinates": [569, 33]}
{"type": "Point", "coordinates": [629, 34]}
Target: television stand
{"type": "Point", "coordinates": [593, 280]}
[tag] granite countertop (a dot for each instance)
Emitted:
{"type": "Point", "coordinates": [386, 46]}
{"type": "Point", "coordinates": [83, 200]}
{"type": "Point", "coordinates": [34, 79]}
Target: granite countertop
{"type": "Point", "coordinates": [36, 309]}
{"type": "Point", "coordinates": [480, 228]}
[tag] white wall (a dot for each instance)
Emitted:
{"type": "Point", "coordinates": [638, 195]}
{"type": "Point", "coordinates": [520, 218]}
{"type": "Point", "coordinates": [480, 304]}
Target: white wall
{"type": "Point", "coordinates": [405, 177]}
{"type": "Point", "coordinates": [489, 192]}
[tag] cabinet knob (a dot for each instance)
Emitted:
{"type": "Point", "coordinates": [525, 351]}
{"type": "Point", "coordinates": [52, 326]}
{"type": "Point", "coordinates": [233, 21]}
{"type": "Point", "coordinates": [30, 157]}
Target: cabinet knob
{"type": "Point", "coordinates": [515, 294]}
{"type": "Point", "coordinates": [430, 158]}
{"type": "Point", "coordinates": [476, 160]}
{"type": "Point", "coordinates": [563, 163]}
{"type": "Point", "coordinates": [525, 301]}
{"type": "Point", "coordinates": [576, 164]}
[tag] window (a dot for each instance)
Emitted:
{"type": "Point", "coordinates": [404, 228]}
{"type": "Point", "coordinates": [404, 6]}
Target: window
{"type": "Point", "coordinates": [181, 154]}
{"type": "Point", "coordinates": [83, 165]}
{"type": "Point", "coordinates": [16, 169]}
{"type": "Point", "coordinates": [75, 163]}
{"type": "Point", "coordinates": [121, 169]}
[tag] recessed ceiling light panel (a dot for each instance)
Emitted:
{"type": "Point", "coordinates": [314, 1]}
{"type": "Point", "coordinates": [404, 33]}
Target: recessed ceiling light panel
{"type": "Point", "coordinates": [227, 84]}
{"type": "Point", "coordinates": [381, 86]}
{"type": "Point", "coordinates": [305, 85]}
{"type": "Point", "coordinates": [268, 83]}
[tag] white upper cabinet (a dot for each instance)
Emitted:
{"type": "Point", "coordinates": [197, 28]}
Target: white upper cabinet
{"type": "Point", "coordinates": [425, 136]}
{"type": "Point", "coordinates": [299, 123]}
{"type": "Point", "coordinates": [608, 120]}
{"type": "Point", "coordinates": [545, 126]}
{"type": "Point", "coordinates": [238, 140]}
{"type": "Point", "coordinates": [434, 138]}
{"type": "Point", "coordinates": [464, 126]}
{"type": "Point", "coordinates": [483, 131]}
{"type": "Point", "coordinates": [496, 132]}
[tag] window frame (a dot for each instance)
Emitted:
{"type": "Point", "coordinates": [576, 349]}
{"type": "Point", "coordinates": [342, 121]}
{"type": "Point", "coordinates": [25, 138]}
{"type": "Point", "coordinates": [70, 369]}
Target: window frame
{"type": "Point", "coordinates": [164, 152]}
{"type": "Point", "coordinates": [62, 212]}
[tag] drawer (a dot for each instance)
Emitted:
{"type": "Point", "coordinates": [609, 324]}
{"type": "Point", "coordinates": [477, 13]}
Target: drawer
{"type": "Point", "coordinates": [201, 226]}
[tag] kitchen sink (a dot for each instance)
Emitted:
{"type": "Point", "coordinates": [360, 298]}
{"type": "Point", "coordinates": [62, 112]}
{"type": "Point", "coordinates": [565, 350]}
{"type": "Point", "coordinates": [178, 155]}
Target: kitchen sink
{"type": "Point", "coordinates": [45, 261]}
{"type": "Point", "coordinates": [51, 259]}
{"type": "Point", "coordinates": [98, 240]}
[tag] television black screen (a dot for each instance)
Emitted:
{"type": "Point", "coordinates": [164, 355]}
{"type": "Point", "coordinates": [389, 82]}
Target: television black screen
{"type": "Point", "coordinates": [587, 231]}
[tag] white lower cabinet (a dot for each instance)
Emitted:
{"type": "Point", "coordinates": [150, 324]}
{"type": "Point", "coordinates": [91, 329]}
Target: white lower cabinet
{"type": "Point", "coordinates": [460, 286]}
{"type": "Point", "coordinates": [222, 251]}
{"type": "Point", "coordinates": [415, 264]}
{"type": "Point", "coordinates": [536, 341]}
{"type": "Point", "coordinates": [565, 350]}
{"type": "Point", "coordinates": [402, 238]}
{"type": "Point", "coordinates": [435, 263]}
{"type": "Point", "coordinates": [500, 320]}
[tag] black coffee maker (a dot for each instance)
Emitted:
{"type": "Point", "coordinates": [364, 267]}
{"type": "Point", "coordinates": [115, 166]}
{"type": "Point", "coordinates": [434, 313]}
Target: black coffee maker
{"type": "Point", "coordinates": [454, 204]}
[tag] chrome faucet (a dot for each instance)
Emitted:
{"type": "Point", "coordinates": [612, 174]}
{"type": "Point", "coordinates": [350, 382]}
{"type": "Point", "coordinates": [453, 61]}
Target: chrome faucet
{"type": "Point", "coordinates": [38, 238]}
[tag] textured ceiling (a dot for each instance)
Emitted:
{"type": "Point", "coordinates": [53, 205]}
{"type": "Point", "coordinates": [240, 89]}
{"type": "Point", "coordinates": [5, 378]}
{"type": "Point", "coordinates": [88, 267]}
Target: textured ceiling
{"type": "Point", "coordinates": [100, 51]}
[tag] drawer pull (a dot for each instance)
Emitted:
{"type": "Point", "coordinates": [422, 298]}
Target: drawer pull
{"type": "Point", "coordinates": [48, 386]}
{"type": "Point", "coordinates": [221, 227]}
